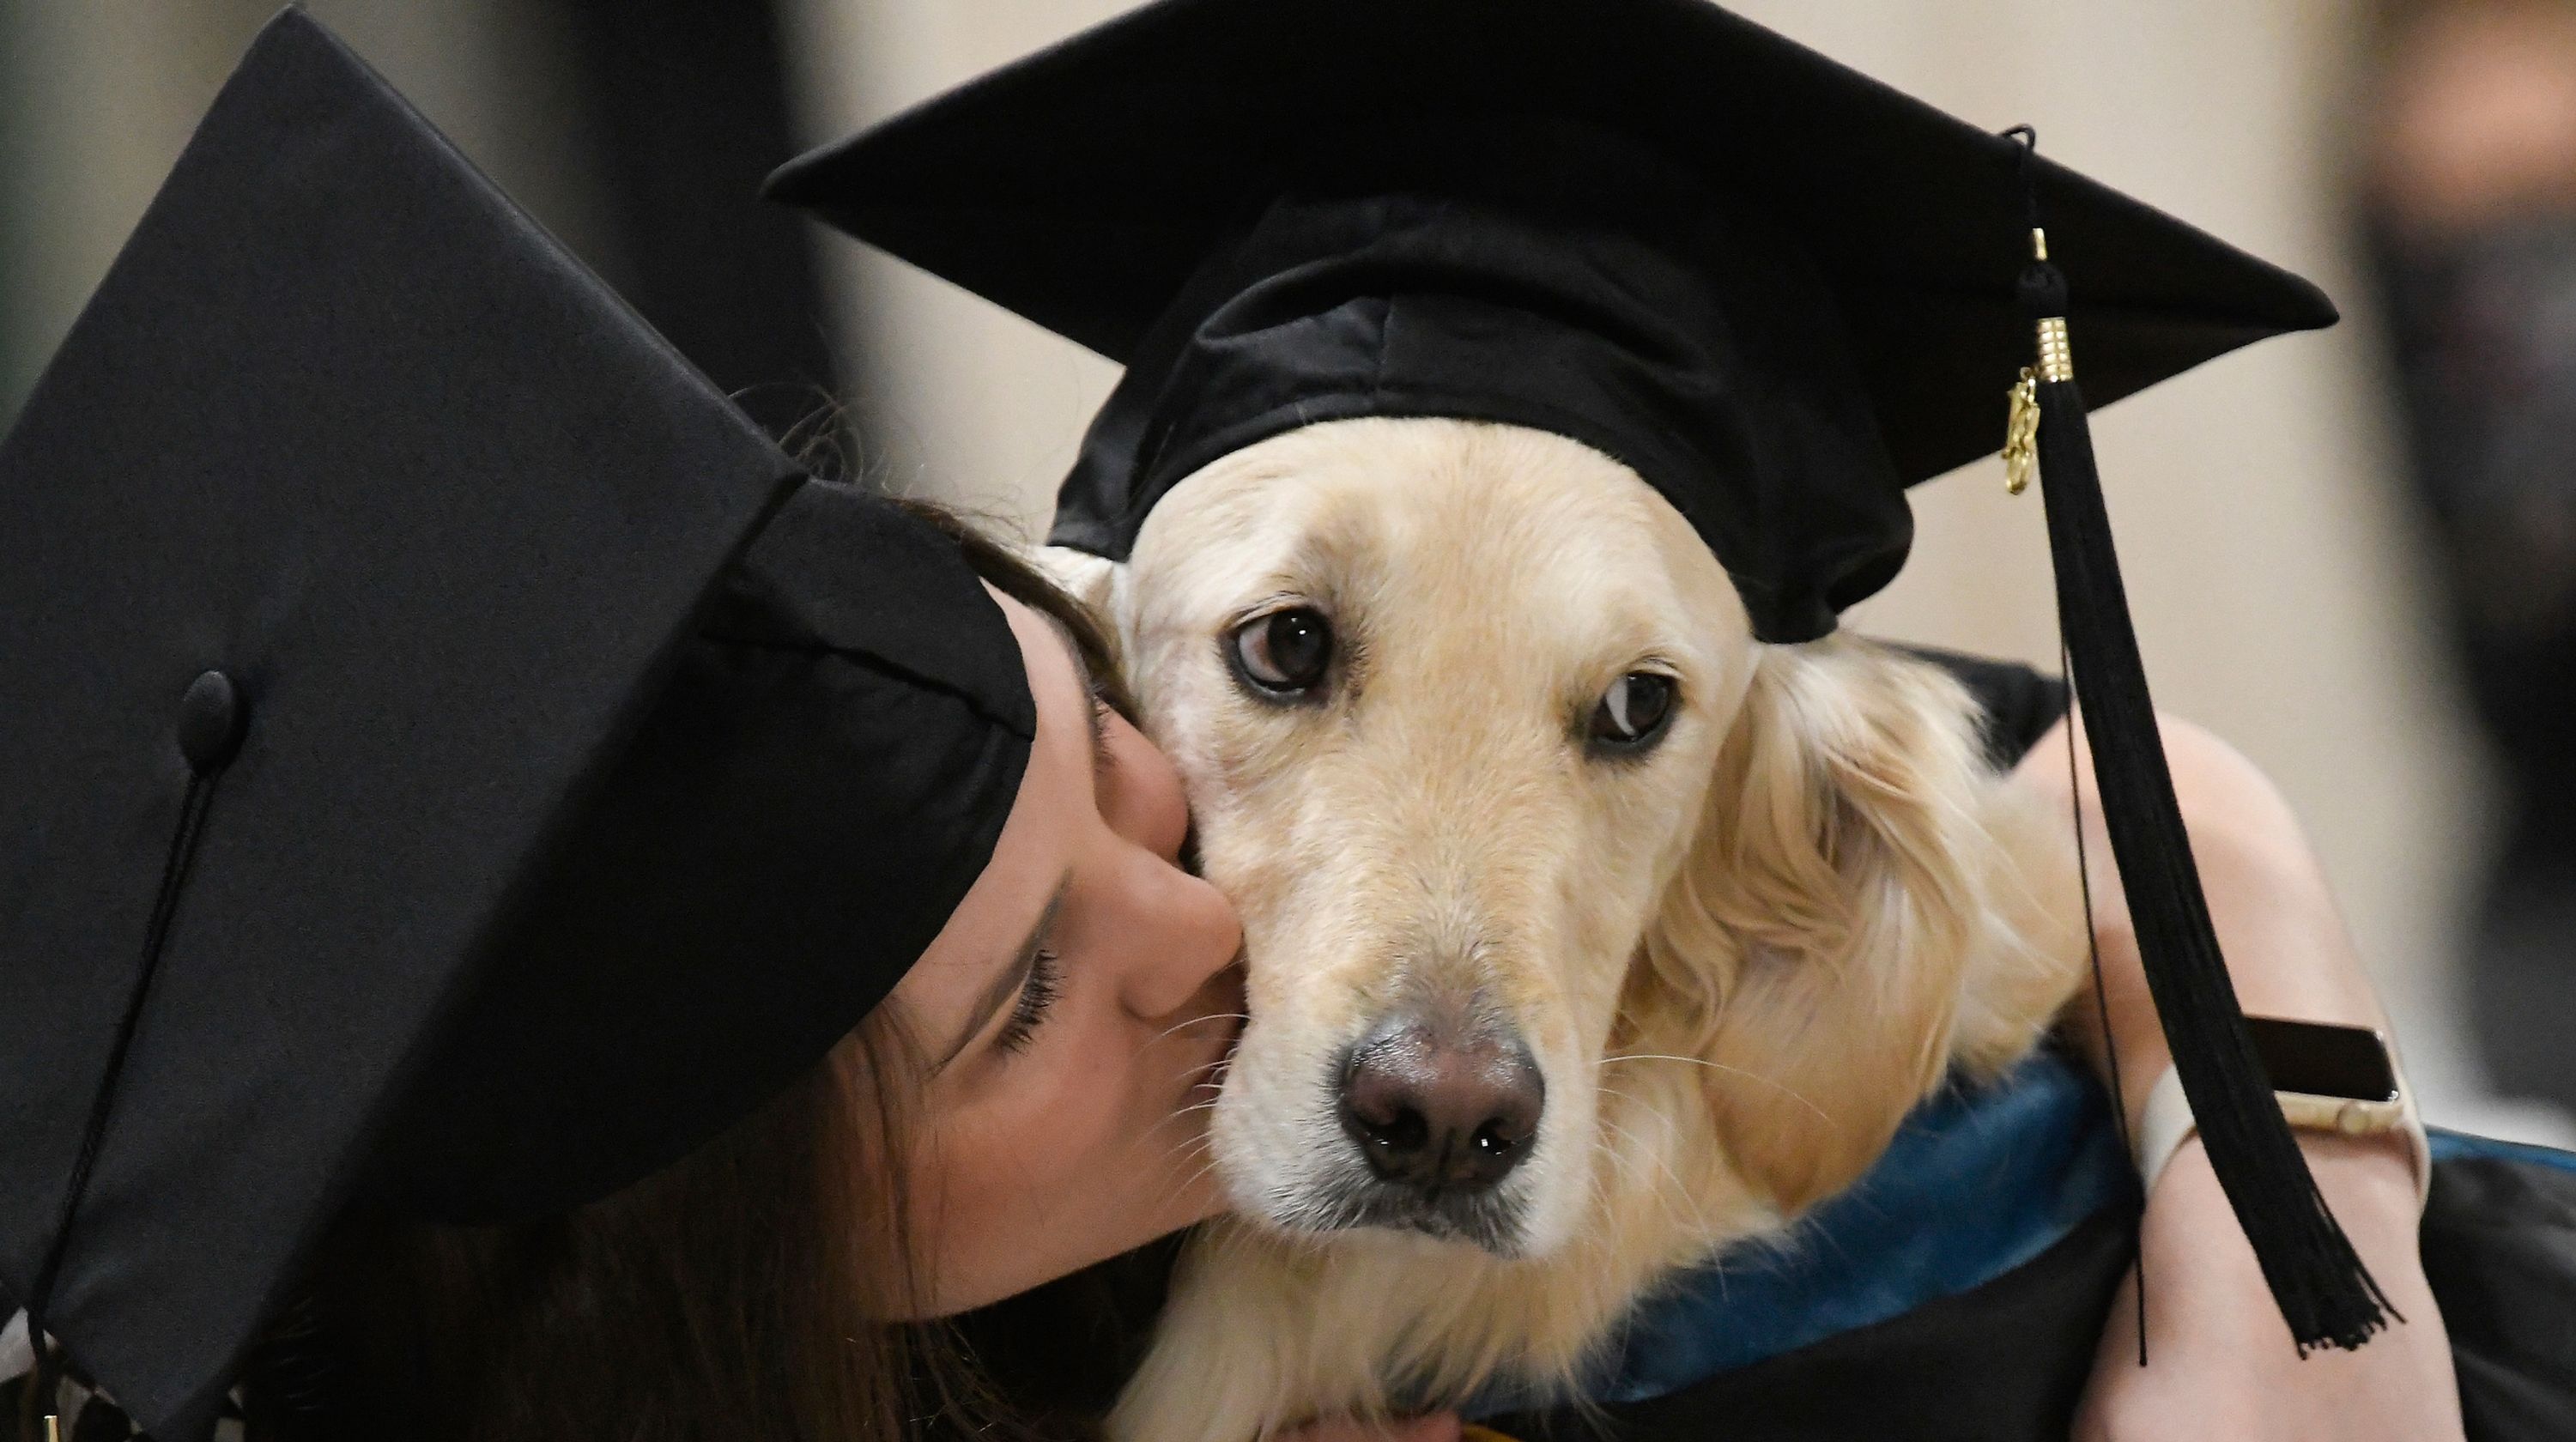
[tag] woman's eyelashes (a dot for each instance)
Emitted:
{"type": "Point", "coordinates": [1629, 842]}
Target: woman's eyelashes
{"type": "Point", "coordinates": [1036, 995]}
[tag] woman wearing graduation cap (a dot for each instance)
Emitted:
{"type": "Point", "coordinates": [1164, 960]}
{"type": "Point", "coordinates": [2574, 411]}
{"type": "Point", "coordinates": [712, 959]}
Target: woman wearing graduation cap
{"type": "Point", "coordinates": [486, 838]}
{"type": "Point", "coordinates": [521, 885]}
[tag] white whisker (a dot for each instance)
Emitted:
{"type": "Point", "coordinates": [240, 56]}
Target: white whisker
{"type": "Point", "coordinates": [1187, 1023]}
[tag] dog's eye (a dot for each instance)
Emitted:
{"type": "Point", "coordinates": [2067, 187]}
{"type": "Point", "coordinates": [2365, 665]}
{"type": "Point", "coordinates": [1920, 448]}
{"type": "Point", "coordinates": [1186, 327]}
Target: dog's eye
{"type": "Point", "coordinates": [1633, 711]}
{"type": "Point", "coordinates": [1285, 652]}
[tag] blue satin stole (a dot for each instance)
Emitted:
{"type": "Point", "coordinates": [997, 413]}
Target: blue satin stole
{"type": "Point", "coordinates": [1979, 1180]}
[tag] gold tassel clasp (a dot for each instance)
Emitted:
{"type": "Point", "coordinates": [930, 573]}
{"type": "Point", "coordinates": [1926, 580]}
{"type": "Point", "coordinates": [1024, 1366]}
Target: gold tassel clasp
{"type": "Point", "coordinates": [2056, 360]}
{"type": "Point", "coordinates": [2021, 433]}
{"type": "Point", "coordinates": [2021, 419]}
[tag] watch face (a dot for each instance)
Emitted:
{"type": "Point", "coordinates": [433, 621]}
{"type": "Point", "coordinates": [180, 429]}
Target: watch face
{"type": "Point", "coordinates": [2321, 1060]}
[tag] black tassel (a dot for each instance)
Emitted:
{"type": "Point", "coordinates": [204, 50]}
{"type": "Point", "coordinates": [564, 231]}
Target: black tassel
{"type": "Point", "coordinates": [209, 733]}
{"type": "Point", "coordinates": [2325, 1293]}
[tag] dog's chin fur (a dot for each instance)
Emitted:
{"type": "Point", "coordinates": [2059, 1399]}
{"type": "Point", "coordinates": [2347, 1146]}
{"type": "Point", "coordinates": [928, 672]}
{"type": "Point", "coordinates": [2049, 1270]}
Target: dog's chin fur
{"type": "Point", "coordinates": [1739, 959]}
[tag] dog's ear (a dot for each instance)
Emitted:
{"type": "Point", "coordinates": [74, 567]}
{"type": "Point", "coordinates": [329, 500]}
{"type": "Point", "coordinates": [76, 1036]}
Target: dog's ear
{"type": "Point", "coordinates": [1820, 934]}
{"type": "Point", "coordinates": [1098, 582]}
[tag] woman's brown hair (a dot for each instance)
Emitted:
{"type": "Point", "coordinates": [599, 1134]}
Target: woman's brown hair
{"type": "Point", "coordinates": [1011, 574]}
{"type": "Point", "coordinates": [737, 1294]}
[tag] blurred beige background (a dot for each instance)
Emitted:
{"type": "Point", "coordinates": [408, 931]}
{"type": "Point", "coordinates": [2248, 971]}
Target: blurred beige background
{"type": "Point", "coordinates": [2269, 560]}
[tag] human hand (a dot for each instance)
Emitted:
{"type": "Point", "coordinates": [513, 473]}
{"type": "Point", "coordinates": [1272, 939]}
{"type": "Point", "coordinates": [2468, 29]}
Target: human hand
{"type": "Point", "coordinates": [2220, 1362]}
{"type": "Point", "coordinates": [1434, 1427]}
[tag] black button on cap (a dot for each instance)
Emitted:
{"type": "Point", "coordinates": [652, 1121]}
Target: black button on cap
{"type": "Point", "coordinates": [211, 721]}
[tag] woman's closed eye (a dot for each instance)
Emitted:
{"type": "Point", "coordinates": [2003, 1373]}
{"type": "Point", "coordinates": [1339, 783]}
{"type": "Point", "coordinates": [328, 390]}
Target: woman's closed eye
{"type": "Point", "coordinates": [1045, 980]}
{"type": "Point", "coordinates": [1037, 993]}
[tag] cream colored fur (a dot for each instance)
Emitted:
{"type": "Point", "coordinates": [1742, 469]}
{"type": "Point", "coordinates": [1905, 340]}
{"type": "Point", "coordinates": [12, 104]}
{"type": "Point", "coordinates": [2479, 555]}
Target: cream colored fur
{"type": "Point", "coordinates": [1739, 960]}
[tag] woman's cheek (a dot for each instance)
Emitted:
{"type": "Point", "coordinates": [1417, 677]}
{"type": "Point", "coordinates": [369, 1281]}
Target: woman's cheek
{"type": "Point", "coordinates": [1086, 1082]}
{"type": "Point", "coordinates": [1040, 1141]}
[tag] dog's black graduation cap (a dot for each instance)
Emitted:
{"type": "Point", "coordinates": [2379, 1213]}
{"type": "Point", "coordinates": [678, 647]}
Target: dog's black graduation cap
{"type": "Point", "coordinates": [453, 762]}
{"type": "Point", "coordinates": [1777, 289]}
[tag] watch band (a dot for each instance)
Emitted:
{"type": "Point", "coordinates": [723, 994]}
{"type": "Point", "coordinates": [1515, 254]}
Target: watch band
{"type": "Point", "coordinates": [2167, 1123]}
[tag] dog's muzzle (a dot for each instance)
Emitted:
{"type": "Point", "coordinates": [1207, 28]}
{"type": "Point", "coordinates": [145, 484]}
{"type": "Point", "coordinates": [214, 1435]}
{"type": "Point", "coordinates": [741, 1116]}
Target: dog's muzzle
{"type": "Point", "coordinates": [1441, 1114]}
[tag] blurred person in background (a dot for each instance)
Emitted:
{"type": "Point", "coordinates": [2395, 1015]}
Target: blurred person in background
{"type": "Point", "coordinates": [2469, 186]}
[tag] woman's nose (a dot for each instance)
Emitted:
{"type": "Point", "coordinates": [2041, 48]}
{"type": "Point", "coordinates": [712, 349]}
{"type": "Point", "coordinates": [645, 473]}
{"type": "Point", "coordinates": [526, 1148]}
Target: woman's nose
{"type": "Point", "coordinates": [1177, 930]}
{"type": "Point", "coordinates": [1145, 804]}
{"type": "Point", "coordinates": [1184, 931]}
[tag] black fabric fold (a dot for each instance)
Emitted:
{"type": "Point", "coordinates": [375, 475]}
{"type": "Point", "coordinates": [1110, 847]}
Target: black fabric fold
{"type": "Point", "coordinates": [2005, 1362]}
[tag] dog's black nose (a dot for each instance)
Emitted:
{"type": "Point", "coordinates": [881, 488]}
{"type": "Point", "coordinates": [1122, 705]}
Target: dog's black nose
{"type": "Point", "coordinates": [1441, 1112]}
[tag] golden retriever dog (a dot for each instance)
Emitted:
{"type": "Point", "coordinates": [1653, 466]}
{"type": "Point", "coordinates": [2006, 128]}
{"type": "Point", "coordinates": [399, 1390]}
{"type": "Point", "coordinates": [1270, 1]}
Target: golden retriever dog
{"type": "Point", "coordinates": [1587, 935]}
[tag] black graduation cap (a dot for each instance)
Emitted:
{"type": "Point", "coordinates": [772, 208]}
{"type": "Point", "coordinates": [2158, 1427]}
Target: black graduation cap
{"type": "Point", "coordinates": [1779, 290]}
{"type": "Point", "coordinates": [453, 761]}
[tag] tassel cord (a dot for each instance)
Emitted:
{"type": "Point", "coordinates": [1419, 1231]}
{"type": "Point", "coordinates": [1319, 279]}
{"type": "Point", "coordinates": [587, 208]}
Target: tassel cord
{"type": "Point", "coordinates": [45, 1380]}
{"type": "Point", "coordinates": [2101, 992]}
